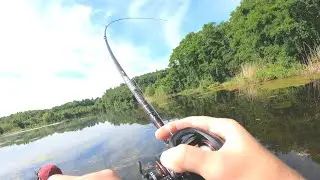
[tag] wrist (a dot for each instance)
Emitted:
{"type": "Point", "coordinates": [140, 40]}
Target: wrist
{"type": "Point", "coordinates": [287, 173]}
{"type": "Point", "coordinates": [277, 169]}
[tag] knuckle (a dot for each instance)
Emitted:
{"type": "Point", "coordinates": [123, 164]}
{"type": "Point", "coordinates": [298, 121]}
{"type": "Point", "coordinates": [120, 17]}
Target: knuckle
{"type": "Point", "coordinates": [233, 122]}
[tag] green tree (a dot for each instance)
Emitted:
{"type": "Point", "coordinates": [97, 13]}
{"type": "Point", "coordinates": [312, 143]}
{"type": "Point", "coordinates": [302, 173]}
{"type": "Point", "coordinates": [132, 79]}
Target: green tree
{"type": "Point", "coordinates": [273, 30]}
{"type": "Point", "coordinates": [118, 99]}
{"type": "Point", "coordinates": [200, 55]}
{"type": "Point", "coordinates": [150, 78]}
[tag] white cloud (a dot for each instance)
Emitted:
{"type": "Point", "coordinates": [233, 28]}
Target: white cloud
{"type": "Point", "coordinates": [172, 11]}
{"type": "Point", "coordinates": [109, 14]}
{"type": "Point", "coordinates": [135, 7]}
{"type": "Point", "coordinates": [39, 39]}
{"type": "Point", "coordinates": [172, 28]}
{"type": "Point", "coordinates": [37, 42]}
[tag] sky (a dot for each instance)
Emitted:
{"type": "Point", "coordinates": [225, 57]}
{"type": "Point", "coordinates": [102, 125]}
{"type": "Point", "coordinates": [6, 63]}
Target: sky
{"type": "Point", "coordinates": [53, 51]}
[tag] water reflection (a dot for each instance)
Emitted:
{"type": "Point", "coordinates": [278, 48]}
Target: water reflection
{"type": "Point", "coordinates": [79, 152]}
{"type": "Point", "coordinates": [286, 121]}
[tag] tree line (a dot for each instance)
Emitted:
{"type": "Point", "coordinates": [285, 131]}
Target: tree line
{"type": "Point", "coordinates": [277, 34]}
{"type": "Point", "coordinates": [35, 118]}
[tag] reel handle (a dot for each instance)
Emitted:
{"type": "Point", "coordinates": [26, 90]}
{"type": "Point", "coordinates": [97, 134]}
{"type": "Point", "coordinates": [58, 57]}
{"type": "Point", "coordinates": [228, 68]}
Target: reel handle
{"type": "Point", "coordinates": [196, 137]}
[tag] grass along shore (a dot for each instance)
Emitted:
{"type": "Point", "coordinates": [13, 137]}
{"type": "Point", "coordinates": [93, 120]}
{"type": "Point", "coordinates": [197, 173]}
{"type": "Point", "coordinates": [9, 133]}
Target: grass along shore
{"type": "Point", "coordinates": [269, 85]}
{"type": "Point", "coordinates": [266, 76]}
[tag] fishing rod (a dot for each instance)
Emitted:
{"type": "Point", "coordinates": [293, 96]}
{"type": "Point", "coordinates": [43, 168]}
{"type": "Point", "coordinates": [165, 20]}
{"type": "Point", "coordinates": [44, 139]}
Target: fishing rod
{"type": "Point", "coordinates": [189, 136]}
{"type": "Point", "coordinates": [132, 85]}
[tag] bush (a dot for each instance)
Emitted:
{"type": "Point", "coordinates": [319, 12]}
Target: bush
{"type": "Point", "coordinates": [150, 90]}
{"type": "Point", "coordinates": [206, 83]}
{"type": "Point", "coordinates": [277, 71]}
{"type": "Point", "coordinates": [7, 128]}
{"type": "Point", "coordinates": [249, 70]}
{"type": "Point", "coordinates": [313, 62]}
{"type": "Point", "coordinates": [160, 91]}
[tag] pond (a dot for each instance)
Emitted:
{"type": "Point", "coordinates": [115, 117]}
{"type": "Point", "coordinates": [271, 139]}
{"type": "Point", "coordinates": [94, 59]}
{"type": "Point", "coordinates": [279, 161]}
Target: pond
{"type": "Point", "coordinates": [286, 121]}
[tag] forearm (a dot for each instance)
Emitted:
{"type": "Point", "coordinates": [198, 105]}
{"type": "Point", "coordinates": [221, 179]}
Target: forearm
{"type": "Point", "coordinates": [274, 168]}
{"type": "Point", "coordinates": [284, 172]}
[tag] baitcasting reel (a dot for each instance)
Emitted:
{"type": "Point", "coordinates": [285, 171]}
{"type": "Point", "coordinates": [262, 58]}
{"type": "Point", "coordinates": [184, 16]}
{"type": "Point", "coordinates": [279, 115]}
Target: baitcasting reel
{"type": "Point", "coordinates": [189, 136]}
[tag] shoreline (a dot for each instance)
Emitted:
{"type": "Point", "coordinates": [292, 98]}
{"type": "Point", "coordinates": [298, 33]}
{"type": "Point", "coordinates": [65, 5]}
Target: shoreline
{"type": "Point", "coordinates": [266, 85]}
{"type": "Point", "coordinates": [12, 133]}
{"type": "Point", "coordinates": [228, 86]}
{"type": "Point", "coordinates": [32, 129]}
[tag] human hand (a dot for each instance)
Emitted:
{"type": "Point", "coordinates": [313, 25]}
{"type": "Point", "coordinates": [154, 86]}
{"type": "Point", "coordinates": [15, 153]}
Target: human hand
{"type": "Point", "coordinates": [105, 175]}
{"type": "Point", "coordinates": [241, 156]}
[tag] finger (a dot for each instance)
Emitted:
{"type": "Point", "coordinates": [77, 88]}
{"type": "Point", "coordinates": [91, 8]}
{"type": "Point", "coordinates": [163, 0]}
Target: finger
{"type": "Point", "coordinates": [222, 127]}
{"type": "Point", "coordinates": [189, 158]}
{"type": "Point", "coordinates": [105, 174]}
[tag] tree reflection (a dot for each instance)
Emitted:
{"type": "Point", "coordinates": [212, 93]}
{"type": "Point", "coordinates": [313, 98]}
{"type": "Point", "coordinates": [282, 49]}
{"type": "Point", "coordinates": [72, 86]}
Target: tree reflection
{"type": "Point", "coordinates": [284, 120]}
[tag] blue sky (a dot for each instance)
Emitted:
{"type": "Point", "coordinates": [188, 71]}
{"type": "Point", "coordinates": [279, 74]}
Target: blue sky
{"type": "Point", "coordinates": [53, 51]}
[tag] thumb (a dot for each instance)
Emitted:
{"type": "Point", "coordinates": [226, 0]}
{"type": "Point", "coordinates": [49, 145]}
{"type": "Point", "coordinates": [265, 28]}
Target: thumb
{"type": "Point", "coordinates": [187, 158]}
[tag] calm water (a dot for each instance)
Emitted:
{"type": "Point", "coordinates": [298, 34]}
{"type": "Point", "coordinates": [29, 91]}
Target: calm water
{"type": "Point", "coordinates": [286, 121]}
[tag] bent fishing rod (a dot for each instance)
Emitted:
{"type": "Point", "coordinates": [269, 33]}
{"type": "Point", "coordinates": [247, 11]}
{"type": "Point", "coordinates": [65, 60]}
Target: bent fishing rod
{"type": "Point", "coordinates": [189, 136]}
{"type": "Point", "coordinates": [132, 85]}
